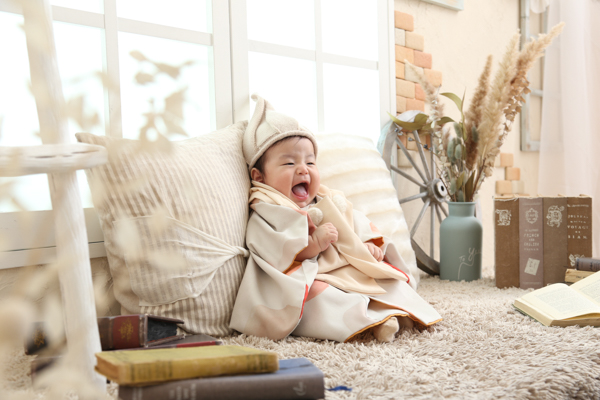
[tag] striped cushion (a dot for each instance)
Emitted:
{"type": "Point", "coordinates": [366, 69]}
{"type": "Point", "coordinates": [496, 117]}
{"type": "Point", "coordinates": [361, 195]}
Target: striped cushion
{"type": "Point", "coordinates": [174, 225]}
{"type": "Point", "coordinates": [353, 165]}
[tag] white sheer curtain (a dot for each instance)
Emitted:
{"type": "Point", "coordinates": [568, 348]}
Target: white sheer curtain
{"type": "Point", "coordinates": [570, 138]}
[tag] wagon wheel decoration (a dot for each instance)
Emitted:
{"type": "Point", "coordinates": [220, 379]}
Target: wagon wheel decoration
{"type": "Point", "coordinates": [432, 192]}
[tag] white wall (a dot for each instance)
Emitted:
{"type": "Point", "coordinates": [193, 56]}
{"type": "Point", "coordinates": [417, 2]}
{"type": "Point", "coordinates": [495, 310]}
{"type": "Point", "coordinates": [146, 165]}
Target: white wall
{"type": "Point", "coordinates": [459, 42]}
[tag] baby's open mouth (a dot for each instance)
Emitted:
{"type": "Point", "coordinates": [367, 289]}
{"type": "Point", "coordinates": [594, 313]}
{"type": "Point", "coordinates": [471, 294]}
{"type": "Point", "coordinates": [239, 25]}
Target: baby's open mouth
{"type": "Point", "coordinates": [301, 190]}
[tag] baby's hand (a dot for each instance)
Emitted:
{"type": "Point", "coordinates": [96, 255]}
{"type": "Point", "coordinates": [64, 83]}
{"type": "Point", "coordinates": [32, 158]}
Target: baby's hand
{"type": "Point", "coordinates": [375, 251]}
{"type": "Point", "coordinates": [325, 235]}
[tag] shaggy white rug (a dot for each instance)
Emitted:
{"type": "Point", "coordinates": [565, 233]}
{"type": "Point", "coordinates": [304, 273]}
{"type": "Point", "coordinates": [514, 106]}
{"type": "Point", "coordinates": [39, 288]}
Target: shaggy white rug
{"type": "Point", "coordinates": [483, 349]}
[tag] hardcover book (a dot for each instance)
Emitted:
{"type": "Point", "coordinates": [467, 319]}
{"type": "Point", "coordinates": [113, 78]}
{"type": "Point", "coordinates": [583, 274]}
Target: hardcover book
{"type": "Point", "coordinates": [140, 368]}
{"type": "Point", "coordinates": [41, 363]}
{"type": "Point", "coordinates": [573, 275]}
{"type": "Point", "coordinates": [506, 239]}
{"type": "Point", "coordinates": [296, 378]}
{"type": "Point", "coordinates": [579, 228]}
{"type": "Point", "coordinates": [562, 305]}
{"type": "Point", "coordinates": [531, 243]}
{"type": "Point", "coordinates": [587, 264]}
{"type": "Point", "coordinates": [555, 245]}
{"type": "Point", "coordinates": [196, 340]}
{"type": "Point", "coordinates": [120, 332]}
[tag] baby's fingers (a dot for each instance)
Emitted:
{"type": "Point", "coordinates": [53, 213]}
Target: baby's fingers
{"type": "Point", "coordinates": [334, 235]}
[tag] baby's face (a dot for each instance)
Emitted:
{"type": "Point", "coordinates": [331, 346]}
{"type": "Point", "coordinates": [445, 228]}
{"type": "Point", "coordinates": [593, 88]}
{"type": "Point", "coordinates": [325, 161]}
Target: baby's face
{"type": "Point", "coordinates": [290, 167]}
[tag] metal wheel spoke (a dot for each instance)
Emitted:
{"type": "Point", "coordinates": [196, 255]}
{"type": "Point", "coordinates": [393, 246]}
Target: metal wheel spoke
{"type": "Point", "coordinates": [407, 176]}
{"type": "Point", "coordinates": [422, 154]}
{"type": "Point", "coordinates": [439, 214]}
{"type": "Point", "coordinates": [432, 232]}
{"type": "Point", "coordinates": [431, 193]}
{"type": "Point", "coordinates": [413, 163]}
{"type": "Point", "coordinates": [419, 218]}
{"type": "Point", "coordinates": [432, 160]}
{"type": "Point", "coordinates": [444, 210]}
{"type": "Point", "coordinates": [413, 197]}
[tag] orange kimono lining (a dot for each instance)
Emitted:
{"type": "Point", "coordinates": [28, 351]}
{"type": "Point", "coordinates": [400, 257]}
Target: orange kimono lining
{"type": "Point", "coordinates": [295, 264]}
{"type": "Point", "coordinates": [390, 316]}
{"type": "Point", "coordinates": [378, 241]}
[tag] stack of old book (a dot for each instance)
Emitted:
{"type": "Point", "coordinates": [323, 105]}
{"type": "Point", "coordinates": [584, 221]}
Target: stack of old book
{"type": "Point", "coordinates": [172, 366]}
{"type": "Point", "coordinates": [537, 239]}
{"type": "Point", "coordinates": [584, 267]}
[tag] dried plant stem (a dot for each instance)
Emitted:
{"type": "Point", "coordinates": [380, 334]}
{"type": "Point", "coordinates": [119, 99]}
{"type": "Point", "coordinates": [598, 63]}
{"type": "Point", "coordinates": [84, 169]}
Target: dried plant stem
{"type": "Point", "coordinates": [467, 157]}
{"type": "Point", "coordinates": [474, 114]}
{"type": "Point", "coordinates": [532, 51]}
{"type": "Point", "coordinates": [436, 109]}
{"type": "Point", "coordinates": [493, 113]}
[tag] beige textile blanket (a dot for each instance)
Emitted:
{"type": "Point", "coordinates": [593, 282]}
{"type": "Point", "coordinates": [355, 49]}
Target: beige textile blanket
{"type": "Point", "coordinates": [333, 296]}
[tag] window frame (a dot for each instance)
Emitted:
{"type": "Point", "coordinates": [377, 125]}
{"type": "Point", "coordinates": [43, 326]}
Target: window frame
{"type": "Point", "coordinates": [231, 93]}
{"type": "Point", "coordinates": [527, 143]}
{"type": "Point", "coordinates": [241, 45]}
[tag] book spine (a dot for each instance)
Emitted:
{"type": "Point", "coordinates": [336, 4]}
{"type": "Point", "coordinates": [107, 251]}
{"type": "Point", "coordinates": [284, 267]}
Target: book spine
{"type": "Point", "coordinates": [579, 229]}
{"type": "Point", "coordinates": [248, 387]}
{"type": "Point", "coordinates": [105, 330]}
{"type": "Point", "coordinates": [180, 345]}
{"type": "Point", "coordinates": [161, 371]}
{"type": "Point", "coordinates": [587, 264]}
{"type": "Point", "coordinates": [531, 239]}
{"type": "Point", "coordinates": [506, 226]}
{"type": "Point", "coordinates": [555, 245]}
{"type": "Point", "coordinates": [573, 275]}
{"type": "Point", "coordinates": [120, 332]}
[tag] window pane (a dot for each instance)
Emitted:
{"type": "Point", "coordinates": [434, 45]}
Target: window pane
{"type": "Point", "coordinates": [350, 28]}
{"type": "Point", "coordinates": [79, 55]}
{"type": "Point", "coordinates": [351, 100]}
{"type": "Point", "coordinates": [17, 106]}
{"type": "Point", "coordinates": [186, 14]}
{"type": "Point", "coordinates": [288, 84]}
{"type": "Point", "coordinates": [198, 110]}
{"type": "Point", "coordinates": [285, 22]}
{"type": "Point", "coordinates": [84, 5]}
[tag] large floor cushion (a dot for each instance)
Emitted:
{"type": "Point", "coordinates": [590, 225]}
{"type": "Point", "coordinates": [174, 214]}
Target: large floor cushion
{"type": "Point", "coordinates": [353, 165]}
{"type": "Point", "coordinates": [174, 225]}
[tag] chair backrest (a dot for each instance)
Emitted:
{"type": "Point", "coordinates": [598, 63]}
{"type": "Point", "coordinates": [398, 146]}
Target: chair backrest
{"type": "Point", "coordinates": [60, 160]}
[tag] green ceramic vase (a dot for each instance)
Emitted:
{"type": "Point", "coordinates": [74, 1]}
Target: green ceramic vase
{"type": "Point", "coordinates": [460, 243]}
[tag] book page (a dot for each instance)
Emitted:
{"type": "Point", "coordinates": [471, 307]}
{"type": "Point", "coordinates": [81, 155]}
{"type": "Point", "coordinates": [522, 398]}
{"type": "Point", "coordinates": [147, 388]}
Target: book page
{"type": "Point", "coordinates": [589, 287]}
{"type": "Point", "coordinates": [559, 301]}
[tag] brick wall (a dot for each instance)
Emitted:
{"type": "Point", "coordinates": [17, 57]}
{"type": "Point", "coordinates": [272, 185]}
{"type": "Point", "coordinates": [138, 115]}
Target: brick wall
{"type": "Point", "coordinates": [410, 46]}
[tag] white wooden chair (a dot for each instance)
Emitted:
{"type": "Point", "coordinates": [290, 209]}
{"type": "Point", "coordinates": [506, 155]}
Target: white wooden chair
{"type": "Point", "coordinates": [60, 159]}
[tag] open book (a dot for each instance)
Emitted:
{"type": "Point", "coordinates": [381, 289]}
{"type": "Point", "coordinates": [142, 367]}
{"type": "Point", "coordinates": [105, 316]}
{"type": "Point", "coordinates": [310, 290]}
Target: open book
{"type": "Point", "coordinates": [562, 305]}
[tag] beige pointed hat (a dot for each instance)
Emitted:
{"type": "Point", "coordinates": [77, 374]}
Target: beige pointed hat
{"type": "Point", "coordinates": [266, 127]}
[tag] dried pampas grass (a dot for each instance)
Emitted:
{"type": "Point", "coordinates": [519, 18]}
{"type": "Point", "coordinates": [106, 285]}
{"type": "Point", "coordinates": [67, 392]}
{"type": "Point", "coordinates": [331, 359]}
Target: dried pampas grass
{"type": "Point", "coordinates": [468, 158]}
{"type": "Point", "coordinates": [493, 112]}
{"type": "Point", "coordinates": [436, 108]}
{"type": "Point", "coordinates": [474, 114]}
{"type": "Point", "coordinates": [532, 51]}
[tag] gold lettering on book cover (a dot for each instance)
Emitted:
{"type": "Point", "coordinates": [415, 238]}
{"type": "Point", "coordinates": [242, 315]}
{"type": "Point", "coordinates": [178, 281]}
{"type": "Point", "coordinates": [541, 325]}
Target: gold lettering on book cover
{"type": "Point", "coordinates": [531, 216]}
{"type": "Point", "coordinates": [39, 339]}
{"type": "Point", "coordinates": [554, 215]}
{"type": "Point", "coordinates": [503, 217]}
{"type": "Point", "coordinates": [300, 389]}
{"type": "Point", "coordinates": [126, 330]}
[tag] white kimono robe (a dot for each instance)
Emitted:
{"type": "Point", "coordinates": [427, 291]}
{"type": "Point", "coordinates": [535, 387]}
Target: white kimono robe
{"type": "Point", "coordinates": [336, 295]}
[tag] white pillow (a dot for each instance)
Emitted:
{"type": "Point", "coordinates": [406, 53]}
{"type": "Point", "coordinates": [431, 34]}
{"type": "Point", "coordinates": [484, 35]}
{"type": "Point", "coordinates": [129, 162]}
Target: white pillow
{"type": "Point", "coordinates": [174, 225]}
{"type": "Point", "coordinates": [353, 165]}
